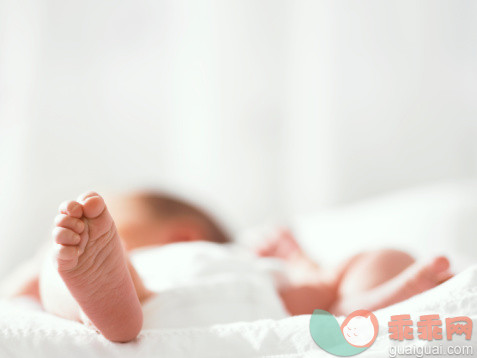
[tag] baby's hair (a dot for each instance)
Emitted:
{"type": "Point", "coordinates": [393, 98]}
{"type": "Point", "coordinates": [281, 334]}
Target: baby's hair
{"type": "Point", "coordinates": [167, 206]}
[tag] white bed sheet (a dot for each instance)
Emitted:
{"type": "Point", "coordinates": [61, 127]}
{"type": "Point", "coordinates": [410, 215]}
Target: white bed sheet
{"type": "Point", "coordinates": [32, 333]}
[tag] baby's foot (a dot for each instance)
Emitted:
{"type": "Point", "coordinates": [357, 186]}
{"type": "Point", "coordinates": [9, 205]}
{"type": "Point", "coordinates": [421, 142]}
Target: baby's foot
{"type": "Point", "coordinates": [92, 263]}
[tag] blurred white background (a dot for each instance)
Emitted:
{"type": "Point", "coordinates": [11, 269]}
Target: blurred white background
{"type": "Point", "coordinates": [258, 110]}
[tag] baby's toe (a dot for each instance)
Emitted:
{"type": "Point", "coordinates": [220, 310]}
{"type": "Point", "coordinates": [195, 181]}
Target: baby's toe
{"type": "Point", "coordinates": [66, 257]}
{"type": "Point", "coordinates": [82, 198]}
{"type": "Point", "coordinates": [71, 208]}
{"type": "Point", "coordinates": [93, 205]}
{"type": "Point", "coordinates": [64, 236]}
{"type": "Point", "coordinates": [440, 264]}
{"type": "Point", "coordinates": [69, 222]}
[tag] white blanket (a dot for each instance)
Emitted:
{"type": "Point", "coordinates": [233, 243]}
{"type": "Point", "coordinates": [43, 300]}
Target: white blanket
{"type": "Point", "coordinates": [32, 333]}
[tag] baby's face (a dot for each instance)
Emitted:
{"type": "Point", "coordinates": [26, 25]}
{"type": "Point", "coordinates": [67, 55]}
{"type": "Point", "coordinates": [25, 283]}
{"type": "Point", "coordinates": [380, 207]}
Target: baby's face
{"type": "Point", "coordinates": [142, 233]}
{"type": "Point", "coordinates": [138, 228]}
{"type": "Point", "coordinates": [135, 225]}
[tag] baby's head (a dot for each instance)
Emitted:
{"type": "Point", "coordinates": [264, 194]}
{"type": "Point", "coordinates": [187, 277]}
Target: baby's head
{"type": "Point", "coordinates": [150, 219]}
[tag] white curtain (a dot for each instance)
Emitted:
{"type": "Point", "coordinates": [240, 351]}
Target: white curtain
{"type": "Point", "coordinates": [256, 109]}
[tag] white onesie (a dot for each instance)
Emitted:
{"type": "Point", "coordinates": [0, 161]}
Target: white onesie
{"type": "Point", "coordinates": [202, 283]}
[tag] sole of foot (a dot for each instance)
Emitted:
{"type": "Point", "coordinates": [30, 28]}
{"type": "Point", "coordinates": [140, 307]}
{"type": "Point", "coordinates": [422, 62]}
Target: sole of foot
{"type": "Point", "coordinates": [92, 263]}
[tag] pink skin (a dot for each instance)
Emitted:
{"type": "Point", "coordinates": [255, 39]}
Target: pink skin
{"type": "Point", "coordinates": [280, 244]}
{"type": "Point", "coordinates": [92, 263]}
{"type": "Point", "coordinates": [370, 280]}
{"type": "Point", "coordinates": [412, 280]}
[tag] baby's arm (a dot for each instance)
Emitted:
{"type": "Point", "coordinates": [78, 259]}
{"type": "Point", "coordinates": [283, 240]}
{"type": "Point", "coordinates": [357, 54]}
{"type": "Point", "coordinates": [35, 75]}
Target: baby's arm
{"type": "Point", "coordinates": [311, 287]}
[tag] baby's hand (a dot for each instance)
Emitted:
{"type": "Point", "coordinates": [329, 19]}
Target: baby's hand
{"type": "Point", "coordinates": [281, 244]}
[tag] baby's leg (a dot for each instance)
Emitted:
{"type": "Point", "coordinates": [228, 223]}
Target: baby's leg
{"type": "Point", "coordinates": [378, 279]}
{"type": "Point", "coordinates": [90, 272]}
{"type": "Point", "coordinates": [367, 270]}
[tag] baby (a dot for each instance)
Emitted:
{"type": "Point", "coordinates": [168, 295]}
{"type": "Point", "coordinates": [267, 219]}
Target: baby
{"type": "Point", "coordinates": [91, 278]}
